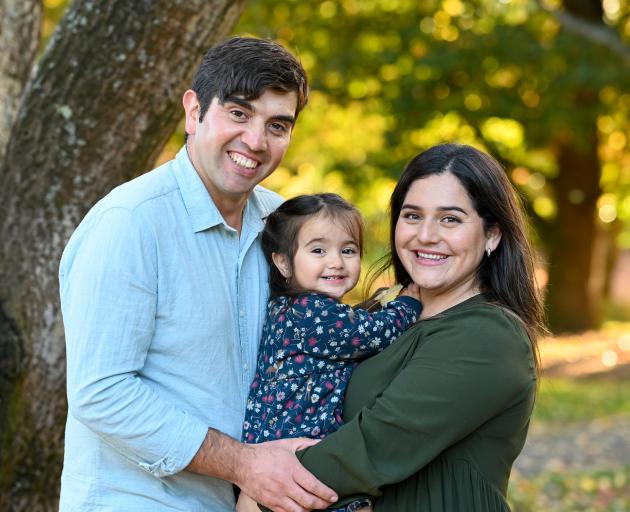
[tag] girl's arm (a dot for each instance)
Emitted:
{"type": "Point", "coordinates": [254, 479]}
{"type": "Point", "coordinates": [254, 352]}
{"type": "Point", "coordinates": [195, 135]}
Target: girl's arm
{"type": "Point", "coordinates": [456, 381]}
{"type": "Point", "coordinates": [337, 331]}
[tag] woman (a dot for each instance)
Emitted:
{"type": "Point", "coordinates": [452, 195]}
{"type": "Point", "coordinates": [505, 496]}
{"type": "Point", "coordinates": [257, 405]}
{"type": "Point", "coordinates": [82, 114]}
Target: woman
{"type": "Point", "coordinates": [436, 420]}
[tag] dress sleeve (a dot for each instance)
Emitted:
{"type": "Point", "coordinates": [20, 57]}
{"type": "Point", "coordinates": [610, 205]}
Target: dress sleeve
{"type": "Point", "coordinates": [108, 283]}
{"type": "Point", "coordinates": [455, 381]}
{"type": "Point", "coordinates": [337, 331]}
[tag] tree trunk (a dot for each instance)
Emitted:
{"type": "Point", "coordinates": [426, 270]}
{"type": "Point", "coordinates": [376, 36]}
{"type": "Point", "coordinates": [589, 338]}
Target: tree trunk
{"type": "Point", "coordinates": [574, 302]}
{"type": "Point", "coordinates": [20, 22]}
{"type": "Point", "coordinates": [103, 103]}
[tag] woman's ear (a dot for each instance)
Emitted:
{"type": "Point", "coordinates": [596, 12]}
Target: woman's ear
{"type": "Point", "coordinates": [493, 236]}
{"type": "Point", "coordinates": [281, 261]}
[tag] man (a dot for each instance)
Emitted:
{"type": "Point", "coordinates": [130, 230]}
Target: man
{"type": "Point", "coordinates": [163, 289]}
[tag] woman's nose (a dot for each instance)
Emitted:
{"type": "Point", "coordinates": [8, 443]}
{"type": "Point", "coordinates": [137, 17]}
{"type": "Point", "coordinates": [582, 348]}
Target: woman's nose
{"type": "Point", "coordinates": [427, 232]}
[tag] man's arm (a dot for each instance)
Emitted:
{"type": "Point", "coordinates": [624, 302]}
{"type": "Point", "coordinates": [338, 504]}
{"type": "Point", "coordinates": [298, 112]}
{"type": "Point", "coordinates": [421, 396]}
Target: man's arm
{"type": "Point", "coordinates": [268, 472]}
{"type": "Point", "coordinates": [108, 284]}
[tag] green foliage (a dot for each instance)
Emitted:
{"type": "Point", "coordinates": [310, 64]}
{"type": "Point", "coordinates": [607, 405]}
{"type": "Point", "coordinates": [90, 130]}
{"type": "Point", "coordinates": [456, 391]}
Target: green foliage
{"type": "Point", "coordinates": [500, 75]}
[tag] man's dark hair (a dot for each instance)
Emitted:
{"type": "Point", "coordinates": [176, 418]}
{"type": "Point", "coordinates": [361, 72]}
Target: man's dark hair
{"type": "Point", "coordinates": [246, 67]}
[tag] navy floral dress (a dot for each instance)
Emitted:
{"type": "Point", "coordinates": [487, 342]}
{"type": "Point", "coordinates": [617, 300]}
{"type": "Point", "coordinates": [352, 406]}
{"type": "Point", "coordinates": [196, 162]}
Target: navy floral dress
{"type": "Point", "coordinates": [310, 345]}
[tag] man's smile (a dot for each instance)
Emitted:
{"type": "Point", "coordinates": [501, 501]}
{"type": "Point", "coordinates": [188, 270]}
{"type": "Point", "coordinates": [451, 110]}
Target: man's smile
{"type": "Point", "coordinates": [242, 160]}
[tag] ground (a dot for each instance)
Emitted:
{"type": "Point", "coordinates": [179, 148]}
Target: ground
{"type": "Point", "coordinates": [577, 455]}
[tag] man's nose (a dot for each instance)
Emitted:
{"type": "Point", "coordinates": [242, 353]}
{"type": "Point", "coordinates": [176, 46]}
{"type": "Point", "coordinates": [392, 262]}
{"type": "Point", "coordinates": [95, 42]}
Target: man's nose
{"type": "Point", "coordinates": [255, 137]}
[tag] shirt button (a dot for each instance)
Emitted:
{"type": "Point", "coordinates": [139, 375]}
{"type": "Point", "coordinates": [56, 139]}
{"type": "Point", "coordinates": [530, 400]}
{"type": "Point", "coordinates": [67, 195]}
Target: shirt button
{"type": "Point", "coordinates": [242, 313]}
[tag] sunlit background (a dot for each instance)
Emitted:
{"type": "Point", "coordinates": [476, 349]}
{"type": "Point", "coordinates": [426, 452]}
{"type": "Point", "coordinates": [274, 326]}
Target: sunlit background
{"type": "Point", "coordinates": [548, 95]}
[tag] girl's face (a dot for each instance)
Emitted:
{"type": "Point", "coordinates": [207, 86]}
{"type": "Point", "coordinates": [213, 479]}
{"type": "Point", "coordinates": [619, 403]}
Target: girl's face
{"type": "Point", "coordinates": [327, 259]}
{"type": "Point", "coordinates": [440, 240]}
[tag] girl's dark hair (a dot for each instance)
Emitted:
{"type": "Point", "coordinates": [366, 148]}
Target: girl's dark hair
{"type": "Point", "coordinates": [283, 227]}
{"type": "Point", "coordinates": [506, 278]}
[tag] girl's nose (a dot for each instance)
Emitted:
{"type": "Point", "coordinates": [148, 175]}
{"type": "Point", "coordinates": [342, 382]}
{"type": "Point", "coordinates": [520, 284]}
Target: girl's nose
{"type": "Point", "coordinates": [334, 260]}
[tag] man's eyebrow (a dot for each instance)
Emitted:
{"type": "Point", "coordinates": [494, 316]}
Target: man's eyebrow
{"type": "Point", "coordinates": [408, 206]}
{"type": "Point", "coordinates": [286, 119]}
{"type": "Point", "coordinates": [249, 106]}
{"type": "Point", "coordinates": [239, 101]}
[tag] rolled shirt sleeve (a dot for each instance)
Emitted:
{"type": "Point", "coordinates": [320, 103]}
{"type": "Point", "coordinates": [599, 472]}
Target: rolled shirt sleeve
{"type": "Point", "coordinates": [109, 296]}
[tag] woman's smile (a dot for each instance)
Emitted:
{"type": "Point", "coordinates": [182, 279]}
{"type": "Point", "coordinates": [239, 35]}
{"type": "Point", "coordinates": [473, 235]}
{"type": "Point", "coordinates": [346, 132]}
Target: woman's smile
{"type": "Point", "coordinates": [441, 240]}
{"type": "Point", "coordinates": [430, 258]}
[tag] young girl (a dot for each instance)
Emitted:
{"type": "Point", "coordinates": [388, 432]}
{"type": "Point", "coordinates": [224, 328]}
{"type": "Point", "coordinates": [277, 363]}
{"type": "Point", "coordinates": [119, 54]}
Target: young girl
{"type": "Point", "coordinates": [311, 341]}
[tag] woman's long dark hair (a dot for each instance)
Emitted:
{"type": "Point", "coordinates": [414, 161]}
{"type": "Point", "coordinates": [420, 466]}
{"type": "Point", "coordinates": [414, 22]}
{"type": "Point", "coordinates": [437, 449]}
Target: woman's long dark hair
{"type": "Point", "coordinates": [506, 278]}
{"type": "Point", "coordinates": [283, 227]}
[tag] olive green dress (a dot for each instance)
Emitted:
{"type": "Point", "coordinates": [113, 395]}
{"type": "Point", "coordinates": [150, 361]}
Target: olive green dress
{"type": "Point", "coordinates": [435, 421]}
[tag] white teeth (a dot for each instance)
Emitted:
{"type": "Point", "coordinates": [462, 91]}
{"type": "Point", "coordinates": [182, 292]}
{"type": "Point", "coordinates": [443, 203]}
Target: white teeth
{"type": "Point", "coordinates": [430, 256]}
{"type": "Point", "coordinates": [243, 161]}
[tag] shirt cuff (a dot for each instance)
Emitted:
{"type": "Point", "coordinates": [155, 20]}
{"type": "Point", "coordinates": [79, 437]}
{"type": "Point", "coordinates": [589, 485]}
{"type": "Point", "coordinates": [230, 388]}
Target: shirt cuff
{"type": "Point", "coordinates": [184, 447]}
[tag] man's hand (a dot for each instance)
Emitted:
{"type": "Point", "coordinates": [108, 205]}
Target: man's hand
{"type": "Point", "coordinates": [246, 504]}
{"type": "Point", "coordinates": [268, 472]}
{"type": "Point", "coordinates": [273, 476]}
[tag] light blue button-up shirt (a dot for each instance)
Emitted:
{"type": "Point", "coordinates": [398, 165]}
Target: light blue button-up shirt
{"type": "Point", "coordinates": [163, 306]}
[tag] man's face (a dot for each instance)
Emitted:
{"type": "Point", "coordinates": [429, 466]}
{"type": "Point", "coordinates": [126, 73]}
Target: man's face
{"type": "Point", "coordinates": [240, 142]}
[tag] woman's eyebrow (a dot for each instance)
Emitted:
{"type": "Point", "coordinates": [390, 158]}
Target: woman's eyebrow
{"type": "Point", "coordinates": [439, 208]}
{"type": "Point", "coordinates": [452, 208]}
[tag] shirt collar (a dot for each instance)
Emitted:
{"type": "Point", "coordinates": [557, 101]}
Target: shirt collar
{"type": "Point", "coordinates": [201, 209]}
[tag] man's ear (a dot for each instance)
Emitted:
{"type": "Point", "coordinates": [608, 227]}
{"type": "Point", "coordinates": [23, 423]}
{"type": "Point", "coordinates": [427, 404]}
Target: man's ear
{"type": "Point", "coordinates": [281, 261]}
{"type": "Point", "coordinates": [192, 109]}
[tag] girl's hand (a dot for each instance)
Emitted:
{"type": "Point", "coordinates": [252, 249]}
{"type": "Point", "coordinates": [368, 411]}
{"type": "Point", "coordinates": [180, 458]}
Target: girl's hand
{"type": "Point", "coordinates": [413, 291]}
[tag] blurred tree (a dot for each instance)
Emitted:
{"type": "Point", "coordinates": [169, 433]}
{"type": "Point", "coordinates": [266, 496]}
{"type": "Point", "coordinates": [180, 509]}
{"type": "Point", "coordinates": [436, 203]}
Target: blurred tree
{"type": "Point", "coordinates": [542, 85]}
{"type": "Point", "coordinates": [531, 82]}
{"type": "Point", "coordinates": [99, 107]}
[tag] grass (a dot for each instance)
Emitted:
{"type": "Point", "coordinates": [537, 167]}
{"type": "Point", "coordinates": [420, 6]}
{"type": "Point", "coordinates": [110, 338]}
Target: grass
{"type": "Point", "coordinates": [571, 394]}
{"type": "Point", "coordinates": [598, 491]}
{"type": "Point", "coordinates": [561, 400]}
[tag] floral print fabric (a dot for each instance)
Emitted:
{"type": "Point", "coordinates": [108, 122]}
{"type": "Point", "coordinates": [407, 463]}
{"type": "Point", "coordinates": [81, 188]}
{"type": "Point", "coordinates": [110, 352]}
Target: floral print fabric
{"type": "Point", "coordinates": [310, 345]}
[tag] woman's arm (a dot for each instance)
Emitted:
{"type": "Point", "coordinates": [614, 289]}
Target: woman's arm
{"type": "Point", "coordinates": [460, 377]}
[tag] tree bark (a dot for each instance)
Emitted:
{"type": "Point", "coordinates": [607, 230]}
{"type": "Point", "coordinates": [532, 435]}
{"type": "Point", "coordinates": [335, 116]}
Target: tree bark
{"type": "Point", "coordinates": [20, 22]}
{"type": "Point", "coordinates": [103, 103]}
{"type": "Point", "coordinates": [574, 303]}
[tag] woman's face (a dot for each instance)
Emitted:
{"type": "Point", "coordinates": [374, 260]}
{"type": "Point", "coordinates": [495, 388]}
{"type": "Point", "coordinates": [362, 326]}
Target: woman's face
{"type": "Point", "coordinates": [440, 240]}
